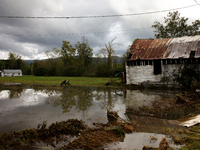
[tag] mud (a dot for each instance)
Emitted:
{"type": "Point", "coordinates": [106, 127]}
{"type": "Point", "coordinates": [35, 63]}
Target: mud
{"type": "Point", "coordinates": [180, 103]}
{"type": "Point", "coordinates": [27, 139]}
{"type": "Point", "coordinates": [87, 138]}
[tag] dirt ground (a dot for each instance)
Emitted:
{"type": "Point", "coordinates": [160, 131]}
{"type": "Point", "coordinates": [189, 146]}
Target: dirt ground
{"type": "Point", "coordinates": [181, 102]}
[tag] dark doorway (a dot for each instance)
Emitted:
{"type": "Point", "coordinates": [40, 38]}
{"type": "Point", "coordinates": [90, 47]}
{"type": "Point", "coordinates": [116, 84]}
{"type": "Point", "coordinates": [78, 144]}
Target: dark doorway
{"type": "Point", "coordinates": [157, 67]}
{"type": "Point", "coordinates": [192, 54]}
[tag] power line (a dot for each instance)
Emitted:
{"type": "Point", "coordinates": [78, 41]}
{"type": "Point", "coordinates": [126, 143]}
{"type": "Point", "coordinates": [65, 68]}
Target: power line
{"type": "Point", "coordinates": [85, 33]}
{"type": "Point", "coordinates": [196, 2]}
{"type": "Point", "coordinates": [102, 16]}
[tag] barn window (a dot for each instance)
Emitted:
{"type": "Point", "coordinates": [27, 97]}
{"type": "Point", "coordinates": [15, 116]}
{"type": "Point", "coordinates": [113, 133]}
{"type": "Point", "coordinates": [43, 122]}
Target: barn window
{"type": "Point", "coordinates": [164, 62]}
{"type": "Point", "coordinates": [168, 61]}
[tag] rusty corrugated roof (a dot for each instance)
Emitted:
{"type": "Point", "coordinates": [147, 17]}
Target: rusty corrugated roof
{"type": "Point", "coordinates": [165, 48]}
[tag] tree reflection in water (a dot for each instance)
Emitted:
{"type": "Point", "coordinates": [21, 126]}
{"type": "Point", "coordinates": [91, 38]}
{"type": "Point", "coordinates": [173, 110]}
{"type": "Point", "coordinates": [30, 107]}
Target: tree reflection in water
{"type": "Point", "coordinates": [15, 92]}
{"type": "Point", "coordinates": [82, 98]}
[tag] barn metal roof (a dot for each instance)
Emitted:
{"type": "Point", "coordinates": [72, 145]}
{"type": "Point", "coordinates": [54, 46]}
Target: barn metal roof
{"type": "Point", "coordinates": [165, 48]}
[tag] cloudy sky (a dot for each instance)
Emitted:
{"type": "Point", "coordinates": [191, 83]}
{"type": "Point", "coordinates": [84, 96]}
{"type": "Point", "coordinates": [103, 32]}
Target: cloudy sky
{"type": "Point", "coordinates": [31, 37]}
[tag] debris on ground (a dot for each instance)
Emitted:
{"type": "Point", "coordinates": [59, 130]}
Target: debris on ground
{"type": "Point", "coordinates": [112, 116]}
{"type": "Point", "coordinates": [164, 145]}
{"type": "Point", "coordinates": [180, 102]}
{"type": "Point", "coordinates": [149, 148]}
{"type": "Point", "coordinates": [180, 99]}
{"type": "Point", "coordinates": [113, 131]}
{"type": "Point", "coordinates": [86, 138]}
{"type": "Point", "coordinates": [92, 139]}
{"type": "Point", "coordinates": [191, 122]}
{"type": "Point", "coordinates": [26, 139]}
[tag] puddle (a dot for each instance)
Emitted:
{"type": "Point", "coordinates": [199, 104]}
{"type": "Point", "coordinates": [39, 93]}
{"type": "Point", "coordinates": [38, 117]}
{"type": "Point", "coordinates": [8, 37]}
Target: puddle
{"type": "Point", "coordinates": [26, 108]}
{"type": "Point", "coordinates": [139, 140]}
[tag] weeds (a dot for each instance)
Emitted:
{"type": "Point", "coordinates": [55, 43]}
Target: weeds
{"type": "Point", "coordinates": [189, 137]}
{"type": "Point", "coordinates": [121, 132]}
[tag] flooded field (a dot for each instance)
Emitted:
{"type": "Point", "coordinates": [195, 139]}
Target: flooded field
{"type": "Point", "coordinates": [24, 108]}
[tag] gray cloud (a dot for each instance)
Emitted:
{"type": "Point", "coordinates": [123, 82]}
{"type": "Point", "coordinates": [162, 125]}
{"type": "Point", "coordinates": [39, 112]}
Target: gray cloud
{"type": "Point", "coordinates": [32, 37]}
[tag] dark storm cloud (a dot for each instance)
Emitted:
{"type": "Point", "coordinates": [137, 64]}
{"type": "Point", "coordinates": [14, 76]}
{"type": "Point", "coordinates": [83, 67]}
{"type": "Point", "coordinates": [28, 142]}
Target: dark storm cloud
{"type": "Point", "coordinates": [32, 37]}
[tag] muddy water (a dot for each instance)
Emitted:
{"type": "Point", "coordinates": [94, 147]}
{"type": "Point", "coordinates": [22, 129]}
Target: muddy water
{"type": "Point", "coordinates": [26, 108]}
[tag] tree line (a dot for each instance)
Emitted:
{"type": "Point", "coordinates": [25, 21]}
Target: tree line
{"type": "Point", "coordinates": [71, 61]}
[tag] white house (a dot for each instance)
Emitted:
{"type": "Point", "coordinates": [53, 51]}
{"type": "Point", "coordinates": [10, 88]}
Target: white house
{"type": "Point", "coordinates": [11, 72]}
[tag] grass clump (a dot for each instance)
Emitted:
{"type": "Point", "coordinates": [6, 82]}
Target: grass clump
{"type": "Point", "coordinates": [188, 137]}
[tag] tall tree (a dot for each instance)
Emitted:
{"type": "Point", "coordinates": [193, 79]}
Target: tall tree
{"type": "Point", "coordinates": [175, 26]}
{"type": "Point", "coordinates": [50, 63]}
{"type": "Point", "coordinates": [84, 52]}
{"type": "Point", "coordinates": [67, 53]}
{"type": "Point", "coordinates": [110, 52]}
{"type": "Point", "coordinates": [38, 68]}
{"type": "Point", "coordinates": [16, 62]}
{"type": "Point", "coordinates": [13, 57]}
{"type": "Point", "coordinates": [2, 65]}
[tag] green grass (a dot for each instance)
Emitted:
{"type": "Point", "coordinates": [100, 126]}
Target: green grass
{"type": "Point", "coordinates": [56, 80]}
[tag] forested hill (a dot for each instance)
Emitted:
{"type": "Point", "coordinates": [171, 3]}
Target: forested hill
{"type": "Point", "coordinates": [119, 59]}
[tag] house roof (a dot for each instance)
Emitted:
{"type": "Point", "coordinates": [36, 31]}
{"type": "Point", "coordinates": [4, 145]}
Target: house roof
{"type": "Point", "coordinates": [165, 48]}
{"type": "Point", "coordinates": [12, 71]}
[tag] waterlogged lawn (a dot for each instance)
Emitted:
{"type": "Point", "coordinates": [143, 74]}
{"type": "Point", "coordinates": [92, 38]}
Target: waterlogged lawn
{"type": "Point", "coordinates": [55, 81]}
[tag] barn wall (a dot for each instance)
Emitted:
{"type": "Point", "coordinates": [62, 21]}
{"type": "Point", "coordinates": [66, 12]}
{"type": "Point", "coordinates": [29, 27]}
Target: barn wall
{"type": "Point", "coordinates": [169, 70]}
{"type": "Point", "coordinates": [139, 74]}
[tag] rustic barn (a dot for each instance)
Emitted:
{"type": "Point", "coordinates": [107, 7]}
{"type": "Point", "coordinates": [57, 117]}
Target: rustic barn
{"type": "Point", "coordinates": [11, 72]}
{"type": "Point", "coordinates": [153, 59]}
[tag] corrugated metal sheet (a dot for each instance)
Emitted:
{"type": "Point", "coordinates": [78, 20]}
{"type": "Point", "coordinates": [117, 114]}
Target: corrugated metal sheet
{"type": "Point", "coordinates": [165, 48]}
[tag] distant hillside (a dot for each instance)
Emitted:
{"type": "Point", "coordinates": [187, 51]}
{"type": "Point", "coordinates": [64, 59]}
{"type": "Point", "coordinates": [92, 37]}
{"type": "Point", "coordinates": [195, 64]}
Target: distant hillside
{"type": "Point", "coordinates": [31, 61]}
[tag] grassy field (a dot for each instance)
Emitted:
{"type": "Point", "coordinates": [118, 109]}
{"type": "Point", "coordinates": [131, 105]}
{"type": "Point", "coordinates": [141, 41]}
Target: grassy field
{"type": "Point", "coordinates": [55, 80]}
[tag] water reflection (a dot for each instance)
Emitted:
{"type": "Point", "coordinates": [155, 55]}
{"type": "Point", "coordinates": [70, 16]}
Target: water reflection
{"type": "Point", "coordinates": [26, 108]}
{"type": "Point", "coordinates": [80, 98]}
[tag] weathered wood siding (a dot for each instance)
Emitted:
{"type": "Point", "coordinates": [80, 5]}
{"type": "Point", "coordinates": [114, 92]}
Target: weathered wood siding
{"type": "Point", "coordinates": [139, 74]}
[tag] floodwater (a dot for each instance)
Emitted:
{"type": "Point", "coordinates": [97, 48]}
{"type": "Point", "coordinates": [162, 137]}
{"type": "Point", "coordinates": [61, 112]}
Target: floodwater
{"type": "Point", "coordinates": [24, 108]}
